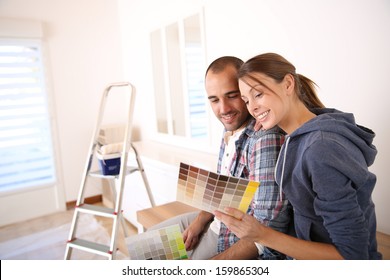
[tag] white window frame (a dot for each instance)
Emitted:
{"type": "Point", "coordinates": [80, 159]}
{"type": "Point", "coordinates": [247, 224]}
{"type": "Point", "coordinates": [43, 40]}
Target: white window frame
{"type": "Point", "coordinates": [21, 204]}
{"type": "Point", "coordinates": [14, 32]}
{"type": "Point", "coordinates": [162, 86]}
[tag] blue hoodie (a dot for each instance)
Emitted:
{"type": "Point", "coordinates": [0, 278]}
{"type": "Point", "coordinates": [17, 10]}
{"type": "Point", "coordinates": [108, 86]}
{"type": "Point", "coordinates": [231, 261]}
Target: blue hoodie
{"type": "Point", "coordinates": [323, 170]}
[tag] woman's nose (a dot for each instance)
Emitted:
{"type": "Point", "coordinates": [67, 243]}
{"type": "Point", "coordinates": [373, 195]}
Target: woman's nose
{"type": "Point", "coordinates": [252, 107]}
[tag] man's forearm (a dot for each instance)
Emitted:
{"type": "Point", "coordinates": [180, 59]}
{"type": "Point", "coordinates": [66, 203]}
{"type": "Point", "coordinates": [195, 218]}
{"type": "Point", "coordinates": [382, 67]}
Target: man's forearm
{"type": "Point", "coordinates": [241, 250]}
{"type": "Point", "coordinates": [204, 217]}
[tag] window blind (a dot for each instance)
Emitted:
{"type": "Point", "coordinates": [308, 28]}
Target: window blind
{"type": "Point", "coordinates": [196, 95]}
{"type": "Point", "coordinates": [26, 155]}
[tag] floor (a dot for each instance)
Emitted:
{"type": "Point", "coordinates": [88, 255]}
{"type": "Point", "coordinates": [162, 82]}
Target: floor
{"type": "Point", "coordinates": [37, 230]}
{"type": "Point", "coordinates": [384, 245]}
{"type": "Point", "coordinates": [35, 226]}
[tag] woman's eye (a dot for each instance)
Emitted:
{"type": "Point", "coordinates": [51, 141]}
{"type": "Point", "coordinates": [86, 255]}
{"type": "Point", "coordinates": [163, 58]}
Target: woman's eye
{"type": "Point", "coordinates": [258, 94]}
{"type": "Point", "coordinates": [246, 102]}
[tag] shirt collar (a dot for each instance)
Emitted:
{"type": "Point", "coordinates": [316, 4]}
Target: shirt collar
{"type": "Point", "coordinates": [246, 127]}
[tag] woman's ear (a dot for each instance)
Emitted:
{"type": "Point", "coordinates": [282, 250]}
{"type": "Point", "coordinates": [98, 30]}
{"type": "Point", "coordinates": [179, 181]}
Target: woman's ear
{"type": "Point", "coordinates": [289, 83]}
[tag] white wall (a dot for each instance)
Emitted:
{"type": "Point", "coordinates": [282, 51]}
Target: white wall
{"type": "Point", "coordinates": [342, 45]}
{"type": "Point", "coordinates": [83, 44]}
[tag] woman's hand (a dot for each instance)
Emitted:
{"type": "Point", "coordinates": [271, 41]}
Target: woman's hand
{"type": "Point", "coordinates": [243, 225]}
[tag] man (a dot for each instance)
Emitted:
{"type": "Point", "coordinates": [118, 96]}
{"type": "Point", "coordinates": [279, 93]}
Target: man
{"type": "Point", "coordinates": [245, 153]}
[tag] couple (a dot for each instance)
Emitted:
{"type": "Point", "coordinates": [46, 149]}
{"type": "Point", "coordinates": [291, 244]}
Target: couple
{"type": "Point", "coordinates": [314, 201]}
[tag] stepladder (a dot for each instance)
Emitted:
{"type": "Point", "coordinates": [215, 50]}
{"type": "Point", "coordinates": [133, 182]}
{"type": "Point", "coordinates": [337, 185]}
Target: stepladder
{"type": "Point", "coordinates": [116, 181]}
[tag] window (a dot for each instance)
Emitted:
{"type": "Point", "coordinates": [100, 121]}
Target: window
{"type": "Point", "coordinates": [25, 136]}
{"type": "Point", "coordinates": [178, 60]}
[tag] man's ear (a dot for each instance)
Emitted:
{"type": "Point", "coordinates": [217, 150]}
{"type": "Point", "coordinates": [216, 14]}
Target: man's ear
{"type": "Point", "coordinates": [289, 83]}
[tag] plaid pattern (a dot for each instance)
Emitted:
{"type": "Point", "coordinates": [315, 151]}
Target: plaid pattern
{"type": "Point", "coordinates": [255, 159]}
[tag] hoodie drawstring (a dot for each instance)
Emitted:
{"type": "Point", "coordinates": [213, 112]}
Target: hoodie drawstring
{"type": "Point", "coordinates": [284, 163]}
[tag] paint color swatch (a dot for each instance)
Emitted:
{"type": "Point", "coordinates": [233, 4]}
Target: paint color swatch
{"type": "Point", "coordinates": [160, 244]}
{"type": "Point", "coordinates": [211, 191]}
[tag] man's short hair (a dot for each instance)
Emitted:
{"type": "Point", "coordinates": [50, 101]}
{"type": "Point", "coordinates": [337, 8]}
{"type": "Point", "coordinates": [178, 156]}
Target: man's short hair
{"type": "Point", "coordinates": [221, 63]}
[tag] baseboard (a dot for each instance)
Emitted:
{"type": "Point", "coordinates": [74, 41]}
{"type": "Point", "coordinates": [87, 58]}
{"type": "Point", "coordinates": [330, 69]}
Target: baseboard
{"type": "Point", "coordinates": [89, 200]}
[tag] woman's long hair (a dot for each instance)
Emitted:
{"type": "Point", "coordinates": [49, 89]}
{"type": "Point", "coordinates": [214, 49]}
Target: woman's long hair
{"type": "Point", "coordinates": [277, 67]}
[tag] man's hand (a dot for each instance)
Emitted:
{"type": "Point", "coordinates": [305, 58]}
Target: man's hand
{"type": "Point", "coordinates": [257, 126]}
{"type": "Point", "coordinates": [193, 232]}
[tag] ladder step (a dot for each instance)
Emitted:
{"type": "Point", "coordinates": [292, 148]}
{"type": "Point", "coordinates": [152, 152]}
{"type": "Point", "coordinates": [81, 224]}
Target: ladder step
{"type": "Point", "coordinates": [96, 210]}
{"type": "Point", "coordinates": [98, 174]}
{"type": "Point", "coordinates": [92, 247]}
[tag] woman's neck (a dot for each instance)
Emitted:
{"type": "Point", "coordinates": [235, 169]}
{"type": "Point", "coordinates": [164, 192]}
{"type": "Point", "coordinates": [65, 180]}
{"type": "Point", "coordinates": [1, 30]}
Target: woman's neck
{"type": "Point", "coordinates": [297, 118]}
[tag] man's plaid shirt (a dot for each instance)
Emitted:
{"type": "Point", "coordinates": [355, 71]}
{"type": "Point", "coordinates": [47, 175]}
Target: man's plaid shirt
{"type": "Point", "coordinates": [255, 159]}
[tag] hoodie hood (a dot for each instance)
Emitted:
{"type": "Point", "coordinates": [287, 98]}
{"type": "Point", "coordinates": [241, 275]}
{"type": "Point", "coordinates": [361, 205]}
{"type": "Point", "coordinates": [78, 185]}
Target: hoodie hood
{"type": "Point", "coordinates": [332, 120]}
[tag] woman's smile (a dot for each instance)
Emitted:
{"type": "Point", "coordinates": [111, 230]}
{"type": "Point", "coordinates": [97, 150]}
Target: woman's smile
{"type": "Point", "coordinates": [262, 116]}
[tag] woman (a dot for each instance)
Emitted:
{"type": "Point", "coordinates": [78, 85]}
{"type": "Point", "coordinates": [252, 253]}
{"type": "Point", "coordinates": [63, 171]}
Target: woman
{"type": "Point", "coordinates": [322, 167]}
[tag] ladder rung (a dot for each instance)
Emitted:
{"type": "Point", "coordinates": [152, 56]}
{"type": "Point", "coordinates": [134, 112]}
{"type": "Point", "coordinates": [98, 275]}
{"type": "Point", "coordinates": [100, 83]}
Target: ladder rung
{"type": "Point", "coordinates": [91, 247]}
{"type": "Point", "coordinates": [98, 174]}
{"type": "Point", "coordinates": [96, 210]}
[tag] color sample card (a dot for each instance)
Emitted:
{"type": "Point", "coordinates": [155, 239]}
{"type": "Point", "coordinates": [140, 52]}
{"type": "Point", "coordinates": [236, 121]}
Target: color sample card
{"type": "Point", "coordinates": [160, 244]}
{"type": "Point", "coordinates": [210, 191]}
